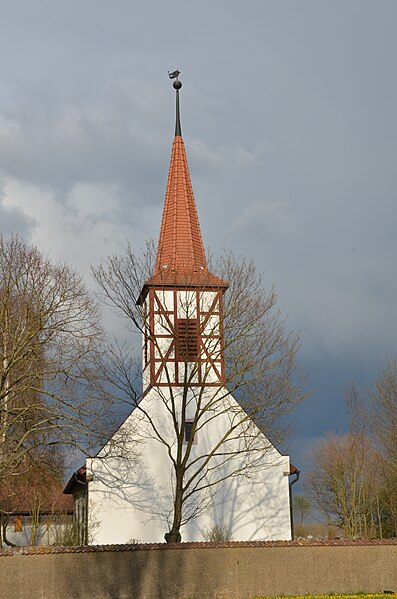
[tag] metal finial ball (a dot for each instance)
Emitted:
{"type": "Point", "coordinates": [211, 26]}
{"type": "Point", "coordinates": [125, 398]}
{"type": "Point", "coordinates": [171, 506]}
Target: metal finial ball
{"type": "Point", "coordinates": [177, 84]}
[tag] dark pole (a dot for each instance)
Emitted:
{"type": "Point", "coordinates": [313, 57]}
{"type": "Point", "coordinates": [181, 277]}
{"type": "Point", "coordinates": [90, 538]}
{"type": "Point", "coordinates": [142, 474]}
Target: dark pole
{"type": "Point", "coordinates": [291, 508]}
{"type": "Point", "coordinates": [177, 86]}
{"type": "Point", "coordinates": [178, 131]}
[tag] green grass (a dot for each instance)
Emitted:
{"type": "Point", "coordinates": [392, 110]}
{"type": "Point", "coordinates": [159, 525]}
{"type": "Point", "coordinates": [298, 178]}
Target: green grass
{"type": "Point", "coordinates": [384, 595]}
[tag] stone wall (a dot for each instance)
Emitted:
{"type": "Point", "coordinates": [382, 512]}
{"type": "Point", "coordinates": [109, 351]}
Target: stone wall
{"type": "Point", "coordinates": [199, 570]}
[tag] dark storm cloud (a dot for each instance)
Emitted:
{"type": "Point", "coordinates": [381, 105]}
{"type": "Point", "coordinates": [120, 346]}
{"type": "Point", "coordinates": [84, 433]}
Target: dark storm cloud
{"type": "Point", "coordinates": [54, 144]}
{"type": "Point", "coordinates": [288, 115]}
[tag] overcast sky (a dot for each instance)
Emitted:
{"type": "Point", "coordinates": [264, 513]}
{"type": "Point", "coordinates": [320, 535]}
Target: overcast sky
{"type": "Point", "coordinates": [289, 121]}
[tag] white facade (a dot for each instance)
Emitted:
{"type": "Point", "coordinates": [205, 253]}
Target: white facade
{"type": "Point", "coordinates": [130, 499]}
{"type": "Point", "coordinates": [130, 496]}
{"type": "Point", "coordinates": [45, 529]}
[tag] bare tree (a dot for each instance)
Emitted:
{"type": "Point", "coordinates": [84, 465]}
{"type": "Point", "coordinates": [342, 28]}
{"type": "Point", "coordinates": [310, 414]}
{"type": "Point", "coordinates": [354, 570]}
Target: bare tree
{"type": "Point", "coordinates": [35, 496]}
{"type": "Point", "coordinates": [382, 413]}
{"type": "Point", "coordinates": [50, 340]}
{"type": "Point", "coordinates": [354, 476]}
{"type": "Point", "coordinates": [302, 509]}
{"type": "Point", "coordinates": [261, 372]}
{"type": "Point", "coordinates": [345, 483]}
{"type": "Point", "coordinates": [383, 409]}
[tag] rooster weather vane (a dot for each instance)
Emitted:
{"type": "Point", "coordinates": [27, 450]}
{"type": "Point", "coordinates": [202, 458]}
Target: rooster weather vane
{"type": "Point", "coordinates": [175, 75]}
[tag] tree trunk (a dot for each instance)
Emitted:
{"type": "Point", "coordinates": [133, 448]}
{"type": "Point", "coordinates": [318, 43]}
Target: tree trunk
{"type": "Point", "coordinates": [4, 529]}
{"type": "Point", "coordinates": [174, 536]}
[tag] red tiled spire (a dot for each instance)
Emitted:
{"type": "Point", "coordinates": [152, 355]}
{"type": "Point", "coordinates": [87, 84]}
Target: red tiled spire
{"type": "Point", "coordinates": [180, 253]}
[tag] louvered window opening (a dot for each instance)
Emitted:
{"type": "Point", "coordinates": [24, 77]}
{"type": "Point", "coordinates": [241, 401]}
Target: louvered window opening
{"type": "Point", "coordinates": [186, 339]}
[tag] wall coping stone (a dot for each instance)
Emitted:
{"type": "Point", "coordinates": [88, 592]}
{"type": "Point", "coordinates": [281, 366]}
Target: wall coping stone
{"type": "Point", "coordinates": [45, 550]}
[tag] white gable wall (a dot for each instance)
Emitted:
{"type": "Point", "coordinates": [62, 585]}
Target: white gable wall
{"type": "Point", "coordinates": [130, 495]}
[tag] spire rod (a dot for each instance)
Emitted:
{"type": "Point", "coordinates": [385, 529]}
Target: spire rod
{"type": "Point", "coordinates": [177, 86]}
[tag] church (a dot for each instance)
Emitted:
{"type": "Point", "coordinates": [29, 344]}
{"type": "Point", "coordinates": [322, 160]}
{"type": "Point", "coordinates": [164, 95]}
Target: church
{"type": "Point", "coordinates": [194, 463]}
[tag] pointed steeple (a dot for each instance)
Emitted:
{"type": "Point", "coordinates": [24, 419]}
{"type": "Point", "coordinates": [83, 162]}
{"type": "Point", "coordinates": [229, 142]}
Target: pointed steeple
{"type": "Point", "coordinates": [180, 253]}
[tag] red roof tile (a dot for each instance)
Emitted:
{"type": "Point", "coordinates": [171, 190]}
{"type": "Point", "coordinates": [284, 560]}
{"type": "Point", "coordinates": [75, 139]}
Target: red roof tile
{"type": "Point", "coordinates": [35, 489]}
{"type": "Point", "coordinates": [180, 254]}
{"type": "Point", "coordinates": [16, 551]}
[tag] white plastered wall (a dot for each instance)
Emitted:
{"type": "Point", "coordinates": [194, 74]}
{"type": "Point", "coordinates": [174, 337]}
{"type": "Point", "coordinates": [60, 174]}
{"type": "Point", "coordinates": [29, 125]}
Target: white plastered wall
{"type": "Point", "coordinates": [130, 495]}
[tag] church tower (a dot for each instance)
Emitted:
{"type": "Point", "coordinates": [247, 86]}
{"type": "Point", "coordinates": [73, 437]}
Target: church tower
{"type": "Point", "coordinates": [188, 457]}
{"type": "Point", "coordinates": [182, 300]}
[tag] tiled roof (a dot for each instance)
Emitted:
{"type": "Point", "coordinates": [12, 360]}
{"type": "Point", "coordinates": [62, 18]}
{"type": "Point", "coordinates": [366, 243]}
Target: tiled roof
{"type": "Point", "coordinates": [180, 253]}
{"type": "Point", "coordinates": [76, 482]}
{"type": "Point", "coordinates": [33, 490]}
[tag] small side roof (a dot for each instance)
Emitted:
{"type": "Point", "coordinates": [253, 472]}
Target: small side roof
{"type": "Point", "coordinates": [77, 481]}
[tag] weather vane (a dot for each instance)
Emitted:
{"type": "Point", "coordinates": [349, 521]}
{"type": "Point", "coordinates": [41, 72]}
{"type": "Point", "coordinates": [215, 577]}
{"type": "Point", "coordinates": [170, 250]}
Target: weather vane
{"type": "Point", "coordinates": [177, 86]}
{"type": "Point", "coordinates": [174, 75]}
